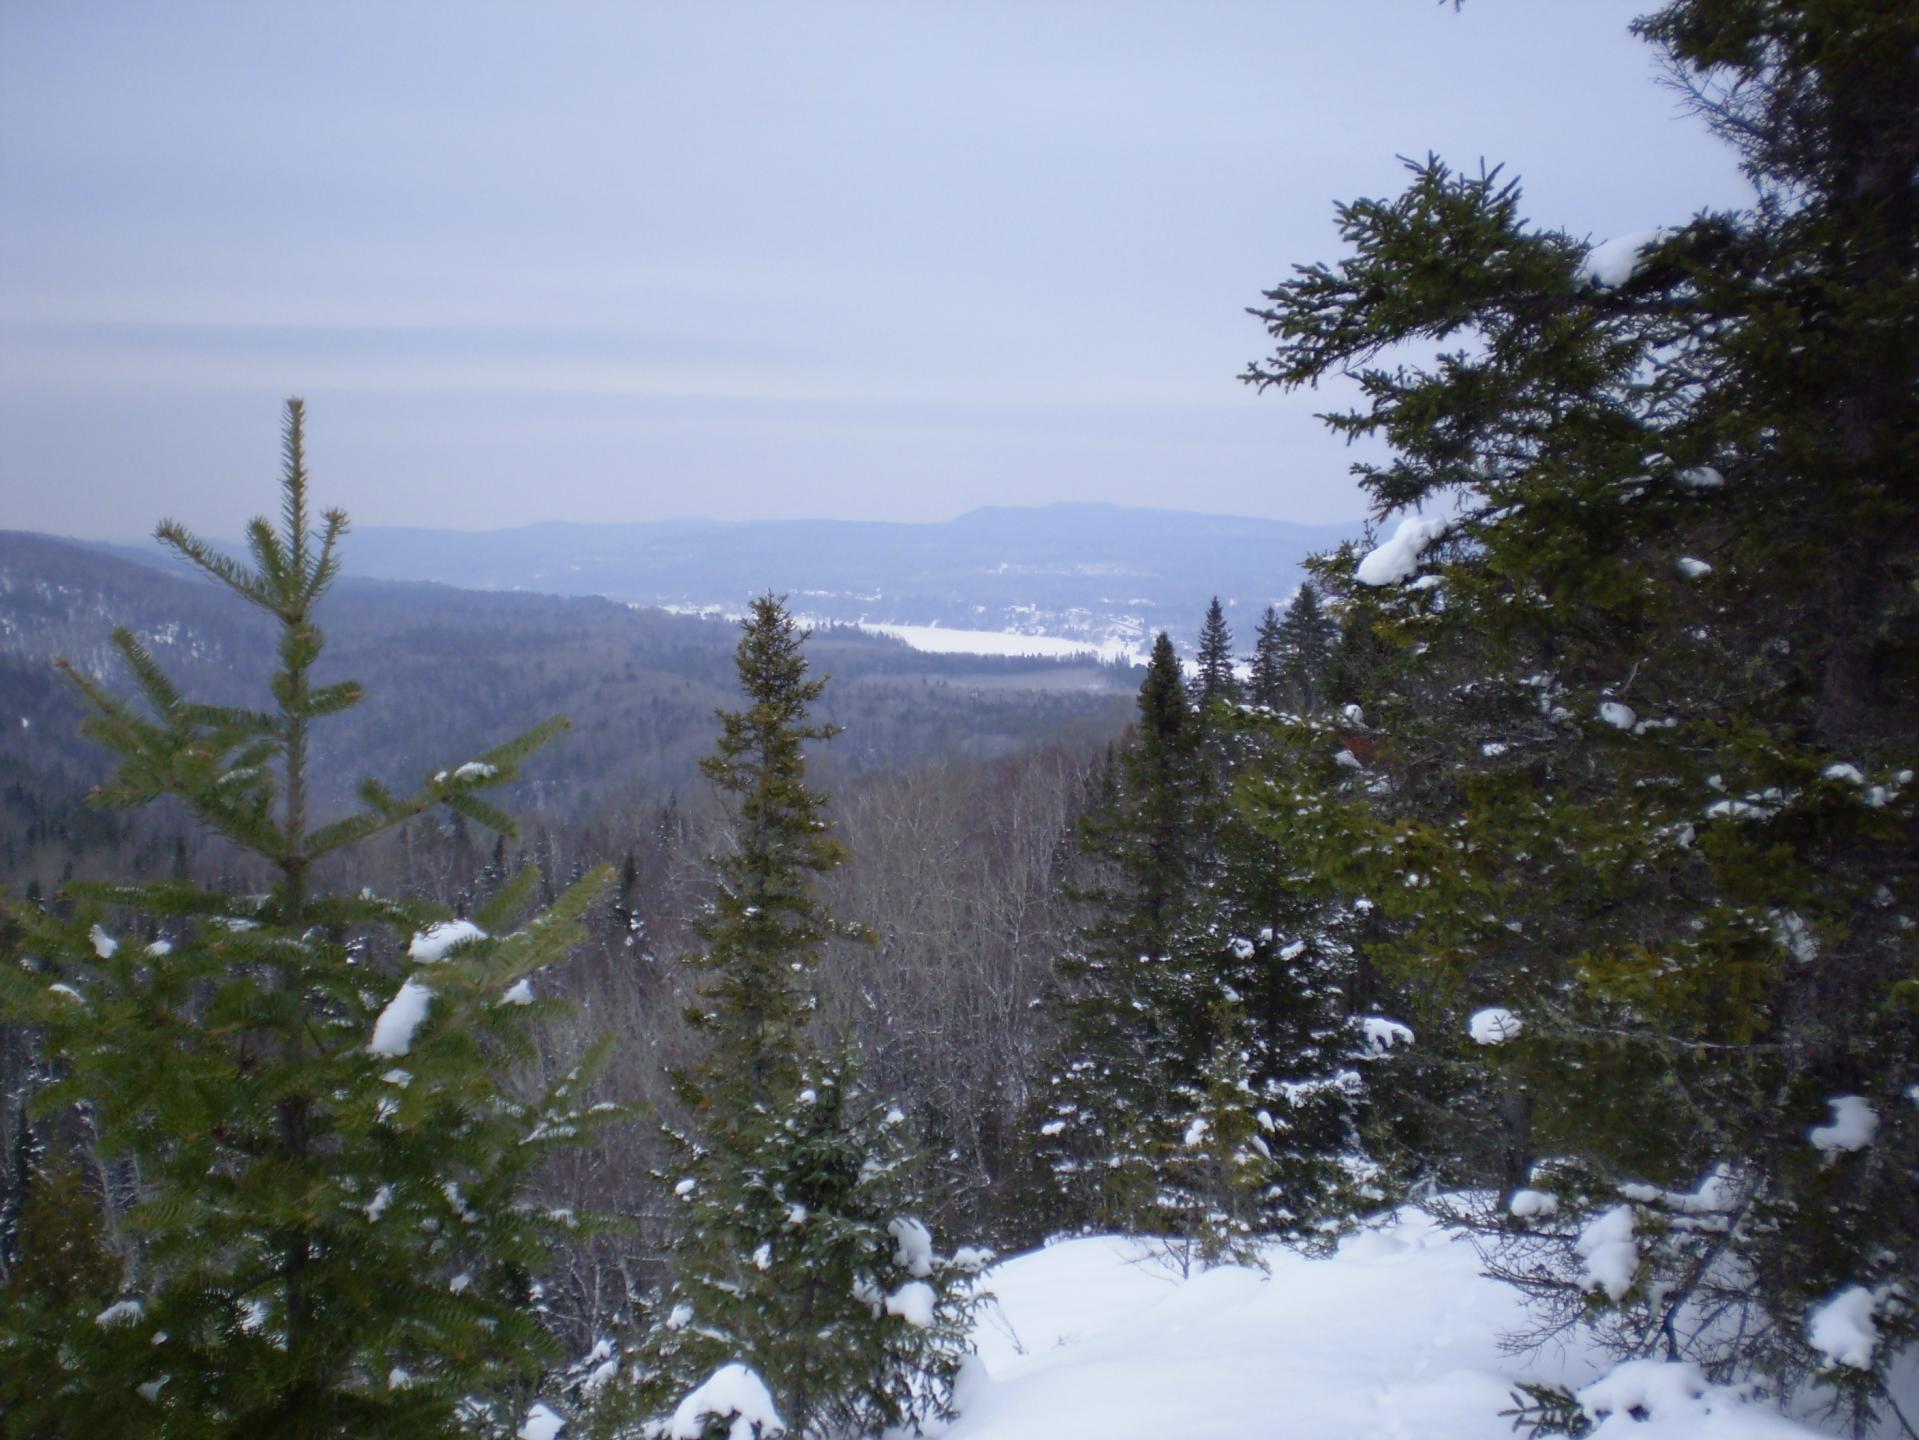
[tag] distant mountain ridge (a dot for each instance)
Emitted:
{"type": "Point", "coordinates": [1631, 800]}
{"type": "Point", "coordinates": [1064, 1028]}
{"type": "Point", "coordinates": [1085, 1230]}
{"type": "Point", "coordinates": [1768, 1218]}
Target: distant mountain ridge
{"type": "Point", "coordinates": [1093, 572]}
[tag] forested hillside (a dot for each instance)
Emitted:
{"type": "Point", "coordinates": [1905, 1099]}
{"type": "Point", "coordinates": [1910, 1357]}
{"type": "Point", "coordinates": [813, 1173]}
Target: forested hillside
{"type": "Point", "coordinates": [446, 670]}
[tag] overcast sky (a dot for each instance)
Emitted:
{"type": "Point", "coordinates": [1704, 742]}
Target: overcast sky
{"type": "Point", "coordinates": [633, 261]}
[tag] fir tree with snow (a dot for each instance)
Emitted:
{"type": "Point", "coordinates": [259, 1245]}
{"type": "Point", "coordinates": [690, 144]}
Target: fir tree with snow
{"type": "Point", "coordinates": [798, 1252]}
{"type": "Point", "coordinates": [1649, 690]}
{"type": "Point", "coordinates": [310, 1090]}
{"type": "Point", "coordinates": [1108, 1102]}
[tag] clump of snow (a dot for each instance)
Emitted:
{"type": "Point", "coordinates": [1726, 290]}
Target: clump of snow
{"type": "Point", "coordinates": [1399, 556]}
{"type": "Point", "coordinates": [1383, 1035]}
{"type": "Point", "coordinates": [519, 993]}
{"type": "Point", "coordinates": [1617, 715]}
{"type": "Point", "coordinates": [394, 1031]}
{"type": "Point", "coordinates": [1673, 1400]}
{"type": "Point", "coordinates": [1611, 1256]}
{"type": "Point", "coordinates": [913, 1303]}
{"type": "Point", "coordinates": [973, 1257]}
{"type": "Point", "coordinates": [1700, 477]}
{"type": "Point", "coordinates": [1531, 1204]}
{"type": "Point", "coordinates": [1693, 569]}
{"type": "Point", "coordinates": [376, 1207]}
{"type": "Point", "coordinates": [679, 1317]}
{"type": "Point", "coordinates": [1612, 264]}
{"type": "Point", "coordinates": [913, 1246]}
{"type": "Point", "coordinates": [60, 987]}
{"type": "Point", "coordinates": [121, 1312]}
{"type": "Point", "coordinates": [1494, 1025]}
{"type": "Point", "coordinates": [731, 1393]}
{"type": "Point", "coordinates": [540, 1424]}
{"type": "Point", "coordinates": [103, 944]}
{"type": "Point", "coordinates": [160, 948]}
{"type": "Point", "coordinates": [1854, 1123]}
{"type": "Point", "coordinates": [432, 943]}
{"type": "Point", "coordinates": [1842, 1328]}
{"type": "Point", "coordinates": [476, 770]}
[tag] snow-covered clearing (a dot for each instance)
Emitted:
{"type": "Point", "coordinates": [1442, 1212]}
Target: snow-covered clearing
{"type": "Point", "coordinates": [940, 640]}
{"type": "Point", "coordinates": [1395, 1337]}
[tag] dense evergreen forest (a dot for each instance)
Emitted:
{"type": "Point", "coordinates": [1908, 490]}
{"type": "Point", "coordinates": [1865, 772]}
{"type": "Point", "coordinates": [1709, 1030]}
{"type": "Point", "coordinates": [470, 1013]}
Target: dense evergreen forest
{"type": "Point", "coordinates": [1548, 861]}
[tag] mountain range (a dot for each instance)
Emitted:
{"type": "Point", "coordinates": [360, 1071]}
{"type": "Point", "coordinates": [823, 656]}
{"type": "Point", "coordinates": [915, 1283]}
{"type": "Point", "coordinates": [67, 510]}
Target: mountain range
{"type": "Point", "coordinates": [1105, 575]}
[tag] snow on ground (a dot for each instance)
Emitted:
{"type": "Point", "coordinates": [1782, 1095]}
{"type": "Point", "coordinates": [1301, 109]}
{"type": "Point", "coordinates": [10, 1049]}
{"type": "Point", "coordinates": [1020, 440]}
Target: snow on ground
{"type": "Point", "coordinates": [1395, 1338]}
{"type": "Point", "coordinates": [942, 640]}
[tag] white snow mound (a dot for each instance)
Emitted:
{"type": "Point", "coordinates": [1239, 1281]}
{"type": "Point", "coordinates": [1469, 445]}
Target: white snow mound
{"type": "Point", "coordinates": [1396, 1335]}
{"type": "Point", "coordinates": [730, 1392]}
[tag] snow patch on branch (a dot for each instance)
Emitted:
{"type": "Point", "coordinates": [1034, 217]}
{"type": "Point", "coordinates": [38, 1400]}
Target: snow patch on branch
{"type": "Point", "coordinates": [433, 943]}
{"type": "Point", "coordinates": [394, 1031]}
{"type": "Point", "coordinates": [731, 1393]}
{"type": "Point", "coordinates": [1612, 264]}
{"type": "Point", "coordinates": [1494, 1025]}
{"type": "Point", "coordinates": [1854, 1124]}
{"type": "Point", "coordinates": [1611, 1256]}
{"type": "Point", "coordinates": [1399, 556]}
{"type": "Point", "coordinates": [1842, 1328]}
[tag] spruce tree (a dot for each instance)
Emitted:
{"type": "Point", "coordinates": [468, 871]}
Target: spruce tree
{"type": "Point", "coordinates": [1648, 609]}
{"type": "Point", "coordinates": [1107, 1104]}
{"type": "Point", "coordinates": [798, 1253]}
{"type": "Point", "coordinates": [1213, 678]}
{"type": "Point", "coordinates": [1266, 685]}
{"type": "Point", "coordinates": [1307, 637]}
{"type": "Point", "coordinates": [328, 1232]}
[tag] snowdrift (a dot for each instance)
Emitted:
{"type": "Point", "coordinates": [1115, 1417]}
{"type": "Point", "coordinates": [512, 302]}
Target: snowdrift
{"type": "Point", "coordinates": [1398, 1335]}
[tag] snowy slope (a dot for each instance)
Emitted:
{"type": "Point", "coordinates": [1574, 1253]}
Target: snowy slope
{"type": "Point", "coordinates": [1396, 1337]}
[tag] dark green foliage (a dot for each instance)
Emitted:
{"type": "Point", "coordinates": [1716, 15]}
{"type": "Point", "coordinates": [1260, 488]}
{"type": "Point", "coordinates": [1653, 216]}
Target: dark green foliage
{"type": "Point", "coordinates": [806, 1262]}
{"type": "Point", "coordinates": [796, 1187]}
{"type": "Point", "coordinates": [1213, 678]}
{"type": "Point", "coordinates": [1293, 656]}
{"type": "Point", "coordinates": [327, 1240]}
{"type": "Point", "coordinates": [766, 925]}
{"type": "Point", "coordinates": [1208, 1086]}
{"type": "Point", "coordinates": [1642, 730]}
{"type": "Point", "coordinates": [62, 1275]}
{"type": "Point", "coordinates": [1107, 1104]}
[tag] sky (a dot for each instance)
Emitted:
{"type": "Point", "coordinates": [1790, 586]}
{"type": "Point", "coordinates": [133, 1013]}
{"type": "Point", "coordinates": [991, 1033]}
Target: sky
{"type": "Point", "coordinates": [640, 261]}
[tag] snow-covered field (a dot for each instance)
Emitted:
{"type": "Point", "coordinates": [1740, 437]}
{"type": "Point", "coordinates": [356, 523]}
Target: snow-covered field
{"type": "Point", "coordinates": [1397, 1337]}
{"type": "Point", "coordinates": [941, 640]}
